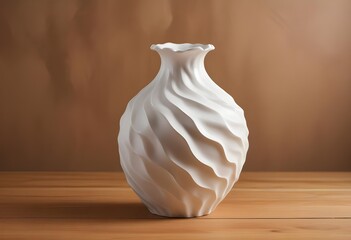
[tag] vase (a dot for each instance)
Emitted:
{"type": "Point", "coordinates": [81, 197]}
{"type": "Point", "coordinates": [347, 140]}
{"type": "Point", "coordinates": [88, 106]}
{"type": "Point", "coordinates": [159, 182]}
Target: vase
{"type": "Point", "coordinates": [182, 140]}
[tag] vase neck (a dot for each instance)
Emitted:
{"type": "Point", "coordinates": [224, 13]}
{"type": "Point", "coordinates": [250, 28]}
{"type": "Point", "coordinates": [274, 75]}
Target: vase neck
{"type": "Point", "coordinates": [173, 61]}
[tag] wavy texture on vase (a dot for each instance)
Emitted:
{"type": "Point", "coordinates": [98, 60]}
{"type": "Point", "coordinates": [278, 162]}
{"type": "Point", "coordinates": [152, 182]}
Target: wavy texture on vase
{"type": "Point", "coordinates": [183, 140]}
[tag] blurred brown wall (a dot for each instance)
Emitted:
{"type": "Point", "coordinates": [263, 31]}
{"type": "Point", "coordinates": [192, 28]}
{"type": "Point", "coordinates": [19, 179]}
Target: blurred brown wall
{"type": "Point", "coordinates": [68, 69]}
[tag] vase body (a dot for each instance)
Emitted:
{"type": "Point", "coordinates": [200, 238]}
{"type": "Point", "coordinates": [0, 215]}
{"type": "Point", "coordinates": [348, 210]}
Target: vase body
{"type": "Point", "coordinates": [182, 140]}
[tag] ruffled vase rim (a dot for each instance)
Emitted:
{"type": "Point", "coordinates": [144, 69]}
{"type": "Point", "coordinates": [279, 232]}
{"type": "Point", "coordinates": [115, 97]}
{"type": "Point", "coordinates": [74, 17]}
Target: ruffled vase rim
{"type": "Point", "coordinates": [182, 47]}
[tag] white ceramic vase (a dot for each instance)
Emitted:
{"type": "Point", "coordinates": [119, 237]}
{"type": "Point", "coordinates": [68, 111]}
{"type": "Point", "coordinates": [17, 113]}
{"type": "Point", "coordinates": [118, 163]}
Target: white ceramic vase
{"type": "Point", "coordinates": [183, 140]}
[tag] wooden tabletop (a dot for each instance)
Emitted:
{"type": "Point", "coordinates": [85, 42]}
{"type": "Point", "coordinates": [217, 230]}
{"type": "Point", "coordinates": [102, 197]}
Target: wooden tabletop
{"type": "Point", "coordinates": [91, 205]}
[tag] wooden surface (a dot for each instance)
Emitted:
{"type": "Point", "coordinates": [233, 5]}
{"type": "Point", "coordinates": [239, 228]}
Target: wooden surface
{"type": "Point", "coordinates": [45, 205]}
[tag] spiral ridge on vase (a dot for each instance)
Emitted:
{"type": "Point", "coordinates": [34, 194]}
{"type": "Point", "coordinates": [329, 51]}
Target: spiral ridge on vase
{"type": "Point", "coordinates": [183, 140]}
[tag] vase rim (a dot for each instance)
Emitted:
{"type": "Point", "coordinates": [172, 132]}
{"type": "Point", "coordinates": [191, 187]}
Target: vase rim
{"type": "Point", "coordinates": [182, 47]}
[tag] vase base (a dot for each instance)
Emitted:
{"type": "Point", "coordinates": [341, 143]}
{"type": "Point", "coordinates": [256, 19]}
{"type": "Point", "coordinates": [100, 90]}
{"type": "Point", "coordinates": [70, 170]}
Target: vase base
{"type": "Point", "coordinates": [166, 215]}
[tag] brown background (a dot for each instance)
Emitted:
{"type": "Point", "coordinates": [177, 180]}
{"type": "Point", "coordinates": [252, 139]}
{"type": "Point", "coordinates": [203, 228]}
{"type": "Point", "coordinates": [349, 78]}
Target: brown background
{"type": "Point", "coordinates": [68, 69]}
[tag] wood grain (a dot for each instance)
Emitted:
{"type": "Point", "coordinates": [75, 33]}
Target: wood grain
{"type": "Point", "coordinates": [89, 205]}
{"type": "Point", "coordinates": [176, 229]}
